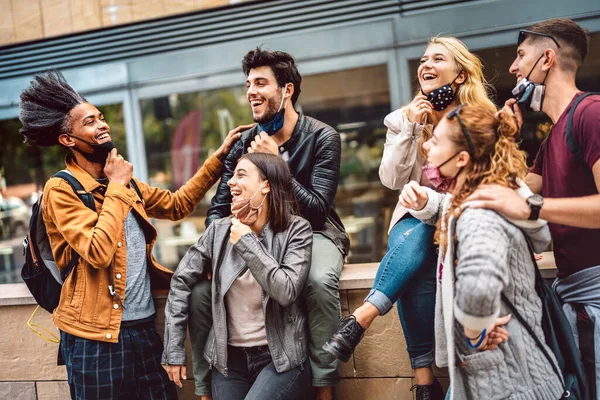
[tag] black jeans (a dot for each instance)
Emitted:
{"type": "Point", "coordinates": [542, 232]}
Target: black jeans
{"type": "Point", "coordinates": [585, 327]}
{"type": "Point", "coordinates": [251, 375]}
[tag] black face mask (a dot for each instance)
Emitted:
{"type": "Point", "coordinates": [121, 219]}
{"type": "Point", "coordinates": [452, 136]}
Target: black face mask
{"type": "Point", "coordinates": [443, 96]}
{"type": "Point", "coordinates": [100, 152]}
{"type": "Point", "coordinates": [529, 93]}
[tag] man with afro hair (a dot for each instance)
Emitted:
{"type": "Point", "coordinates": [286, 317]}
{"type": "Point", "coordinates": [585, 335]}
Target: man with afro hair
{"type": "Point", "coordinates": [106, 313]}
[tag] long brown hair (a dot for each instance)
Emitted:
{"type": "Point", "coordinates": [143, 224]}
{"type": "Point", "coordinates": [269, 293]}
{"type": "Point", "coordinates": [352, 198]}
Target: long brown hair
{"type": "Point", "coordinates": [496, 157]}
{"type": "Point", "coordinates": [282, 201]}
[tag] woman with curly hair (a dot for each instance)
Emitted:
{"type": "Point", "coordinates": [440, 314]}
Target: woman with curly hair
{"type": "Point", "coordinates": [449, 74]}
{"type": "Point", "coordinates": [482, 257]}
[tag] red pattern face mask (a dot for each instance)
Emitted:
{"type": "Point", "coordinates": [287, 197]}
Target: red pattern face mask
{"type": "Point", "coordinates": [439, 182]}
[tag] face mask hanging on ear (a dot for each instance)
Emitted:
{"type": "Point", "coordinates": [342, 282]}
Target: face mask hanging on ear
{"type": "Point", "coordinates": [100, 152]}
{"type": "Point", "coordinates": [273, 126]}
{"type": "Point", "coordinates": [434, 175]}
{"type": "Point", "coordinates": [531, 94]}
{"type": "Point", "coordinates": [243, 209]}
{"type": "Point", "coordinates": [443, 96]}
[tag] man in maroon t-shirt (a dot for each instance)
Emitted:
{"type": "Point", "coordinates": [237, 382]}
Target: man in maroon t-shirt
{"type": "Point", "coordinates": [548, 57]}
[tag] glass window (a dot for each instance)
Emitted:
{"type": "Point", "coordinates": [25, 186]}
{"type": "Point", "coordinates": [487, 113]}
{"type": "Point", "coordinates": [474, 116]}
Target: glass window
{"type": "Point", "coordinates": [355, 102]}
{"type": "Point", "coordinates": [182, 130]}
{"type": "Point", "coordinates": [23, 173]}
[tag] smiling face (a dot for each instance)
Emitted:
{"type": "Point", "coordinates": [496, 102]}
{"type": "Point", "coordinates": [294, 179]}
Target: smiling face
{"type": "Point", "coordinates": [263, 94]}
{"type": "Point", "coordinates": [88, 124]}
{"type": "Point", "coordinates": [246, 182]}
{"type": "Point", "coordinates": [527, 55]}
{"type": "Point", "coordinates": [437, 68]}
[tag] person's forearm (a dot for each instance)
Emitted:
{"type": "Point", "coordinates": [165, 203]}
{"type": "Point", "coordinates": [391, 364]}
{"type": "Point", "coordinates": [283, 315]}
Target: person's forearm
{"type": "Point", "coordinates": [581, 212]}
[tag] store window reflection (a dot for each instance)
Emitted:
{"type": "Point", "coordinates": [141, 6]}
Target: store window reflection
{"type": "Point", "coordinates": [23, 172]}
{"type": "Point", "coordinates": [182, 130]}
{"type": "Point", "coordinates": [355, 102]}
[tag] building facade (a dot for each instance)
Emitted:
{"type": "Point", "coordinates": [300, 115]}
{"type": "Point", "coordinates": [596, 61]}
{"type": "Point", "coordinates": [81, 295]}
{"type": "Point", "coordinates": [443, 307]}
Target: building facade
{"type": "Point", "coordinates": [171, 87]}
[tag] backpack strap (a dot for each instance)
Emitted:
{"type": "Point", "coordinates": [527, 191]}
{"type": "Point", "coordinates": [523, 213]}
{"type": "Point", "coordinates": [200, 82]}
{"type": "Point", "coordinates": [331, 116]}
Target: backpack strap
{"type": "Point", "coordinates": [515, 312]}
{"type": "Point", "coordinates": [571, 142]}
{"type": "Point", "coordinates": [137, 189]}
{"type": "Point", "coordinates": [87, 199]}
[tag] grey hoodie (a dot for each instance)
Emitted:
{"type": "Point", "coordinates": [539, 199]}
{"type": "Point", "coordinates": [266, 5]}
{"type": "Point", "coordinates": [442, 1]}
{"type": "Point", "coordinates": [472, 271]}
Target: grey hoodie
{"type": "Point", "coordinates": [493, 257]}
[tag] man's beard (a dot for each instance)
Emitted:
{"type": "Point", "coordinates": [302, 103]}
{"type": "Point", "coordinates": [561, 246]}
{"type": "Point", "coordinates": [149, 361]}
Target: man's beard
{"type": "Point", "coordinates": [269, 114]}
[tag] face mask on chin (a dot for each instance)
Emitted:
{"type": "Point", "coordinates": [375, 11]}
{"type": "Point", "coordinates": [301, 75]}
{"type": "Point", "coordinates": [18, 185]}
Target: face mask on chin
{"type": "Point", "coordinates": [100, 152]}
{"type": "Point", "coordinates": [440, 182]}
{"type": "Point", "coordinates": [244, 211]}
{"type": "Point", "coordinates": [531, 94]}
{"type": "Point", "coordinates": [273, 126]}
{"type": "Point", "coordinates": [443, 96]}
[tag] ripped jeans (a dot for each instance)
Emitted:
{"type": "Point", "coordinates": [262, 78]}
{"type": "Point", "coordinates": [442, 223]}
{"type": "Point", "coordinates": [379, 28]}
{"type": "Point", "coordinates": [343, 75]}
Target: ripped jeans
{"type": "Point", "coordinates": [406, 274]}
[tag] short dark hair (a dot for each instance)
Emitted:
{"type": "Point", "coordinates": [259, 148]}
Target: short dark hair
{"type": "Point", "coordinates": [282, 64]}
{"type": "Point", "coordinates": [573, 40]}
{"type": "Point", "coordinates": [282, 201]}
{"type": "Point", "coordinates": [45, 108]}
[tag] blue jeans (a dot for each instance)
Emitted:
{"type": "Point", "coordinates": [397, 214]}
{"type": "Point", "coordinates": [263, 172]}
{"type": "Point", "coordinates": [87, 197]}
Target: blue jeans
{"type": "Point", "coordinates": [251, 375]}
{"type": "Point", "coordinates": [406, 274]}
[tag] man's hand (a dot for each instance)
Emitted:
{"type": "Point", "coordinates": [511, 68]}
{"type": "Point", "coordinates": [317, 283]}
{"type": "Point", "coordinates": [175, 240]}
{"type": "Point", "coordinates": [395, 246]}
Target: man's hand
{"type": "Point", "coordinates": [176, 373]}
{"type": "Point", "coordinates": [237, 230]}
{"type": "Point", "coordinates": [500, 199]}
{"type": "Point", "coordinates": [495, 334]}
{"type": "Point", "coordinates": [116, 169]}
{"type": "Point", "coordinates": [230, 139]}
{"type": "Point", "coordinates": [263, 143]}
{"type": "Point", "coordinates": [512, 108]}
{"type": "Point", "coordinates": [413, 196]}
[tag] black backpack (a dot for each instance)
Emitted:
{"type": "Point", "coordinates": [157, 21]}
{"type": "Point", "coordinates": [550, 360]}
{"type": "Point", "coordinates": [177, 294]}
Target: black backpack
{"type": "Point", "coordinates": [40, 273]}
{"type": "Point", "coordinates": [558, 337]}
{"type": "Point", "coordinates": [571, 142]}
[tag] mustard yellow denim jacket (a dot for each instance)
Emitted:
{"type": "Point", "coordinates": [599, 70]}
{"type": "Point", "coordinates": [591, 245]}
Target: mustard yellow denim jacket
{"type": "Point", "coordinates": [86, 308]}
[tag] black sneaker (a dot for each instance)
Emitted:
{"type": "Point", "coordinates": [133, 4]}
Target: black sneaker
{"type": "Point", "coordinates": [343, 342]}
{"type": "Point", "coordinates": [433, 391]}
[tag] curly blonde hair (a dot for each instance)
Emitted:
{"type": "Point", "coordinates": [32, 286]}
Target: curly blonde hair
{"type": "Point", "coordinates": [496, 158]}
{"type": "Point", "coordinates": [474, 90]}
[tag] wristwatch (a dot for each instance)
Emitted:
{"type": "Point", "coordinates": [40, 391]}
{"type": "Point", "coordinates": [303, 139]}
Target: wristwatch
{"type": "Point", "coordinates": [535, 203]}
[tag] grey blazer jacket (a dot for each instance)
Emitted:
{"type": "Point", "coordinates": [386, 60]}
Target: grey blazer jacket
{"type": "Point", "coordinates": [278, 261]}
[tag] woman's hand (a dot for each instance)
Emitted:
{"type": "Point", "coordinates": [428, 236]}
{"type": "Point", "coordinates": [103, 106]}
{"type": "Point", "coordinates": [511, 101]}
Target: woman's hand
{"type": "Point", "coordinates": [231, 138]}
{"type": "Point", "coordinates": [176, 373]}
{"type": "Point", "coordinates": [237, 230]}
{"type": "Point", "coordinates": [418, 108]}
{"type": "Point", "coordinates": [495, 334]}
{"type": "Point", "coordinates": [413, 196]}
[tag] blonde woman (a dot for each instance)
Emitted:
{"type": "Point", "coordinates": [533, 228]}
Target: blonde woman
{"type": "Point", "coordinates": [448, 75]}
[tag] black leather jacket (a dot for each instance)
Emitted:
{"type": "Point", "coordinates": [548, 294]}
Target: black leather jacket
{"type": "Point", "coordinates": [314, 152]}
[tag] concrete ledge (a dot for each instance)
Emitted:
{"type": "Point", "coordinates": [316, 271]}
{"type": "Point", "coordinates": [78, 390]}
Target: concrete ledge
{"type": "Point", "coordinates": [15, 294]}
{"type": "Point", "coordinates": [547, 265]}
{"type": "Point", "coordinates": [354, 276]}
{"type": "Point", "coordinates": [362, 276]}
